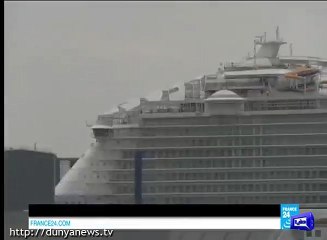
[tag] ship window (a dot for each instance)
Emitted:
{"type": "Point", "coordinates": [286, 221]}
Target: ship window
{"type": "Point", "coordinates": [187, 153]}
{"type": "Point", "coordinates": [166, 154]}
{"type": "Point", "coordinates": [101, 132]}
{"type": "Point", "coordinates": [173, 153]}
{"type": "Point", "coordinates": [309, 234]}
{"type": "Point", "coordinates": [318, 233]}
{"type": "Point", "coordinates": [150, 154]}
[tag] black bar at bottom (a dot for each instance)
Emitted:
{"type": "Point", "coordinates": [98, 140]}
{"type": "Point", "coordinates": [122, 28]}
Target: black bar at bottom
{"type": "Point", "coordinates": [153, 210]}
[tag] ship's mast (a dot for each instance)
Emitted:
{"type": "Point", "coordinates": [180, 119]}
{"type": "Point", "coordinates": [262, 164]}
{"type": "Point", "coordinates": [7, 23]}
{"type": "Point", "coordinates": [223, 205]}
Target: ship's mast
{"type": "Point", "coordinates": [254, 53]}
{"type": "Point", "coordinates": [291, 49]}
{"type": "Point", "coordinates": [270, 48]}
{"type": "Point", "coordinates": [277, 33]}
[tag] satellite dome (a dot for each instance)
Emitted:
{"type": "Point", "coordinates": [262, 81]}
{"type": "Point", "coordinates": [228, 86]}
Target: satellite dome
{"type": "Point", "coordinates": [224, 95]}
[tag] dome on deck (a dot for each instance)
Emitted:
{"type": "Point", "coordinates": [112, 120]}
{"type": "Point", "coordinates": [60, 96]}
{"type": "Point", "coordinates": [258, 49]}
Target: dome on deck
{"type": "Point", "coordinates": [224, 95]}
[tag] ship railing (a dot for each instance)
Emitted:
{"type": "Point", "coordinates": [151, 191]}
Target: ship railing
{"type": "Point", "coordinates": [189, 105]}
{"type": "Point", "coordinates": [160, 107]}
{"type": "Point", "coordinates": [278, 105]}
{"type": "Point", "coordinates": [165, 110]}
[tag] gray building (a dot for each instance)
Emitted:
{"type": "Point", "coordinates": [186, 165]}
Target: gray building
{"type": "Point", "coordinates": [29, 177]}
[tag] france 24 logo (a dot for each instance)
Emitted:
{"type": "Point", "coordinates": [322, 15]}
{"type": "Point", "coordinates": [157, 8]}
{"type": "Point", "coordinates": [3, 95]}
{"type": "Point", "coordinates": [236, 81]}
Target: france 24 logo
{"type": "Point", "coordinates": [286, 212]}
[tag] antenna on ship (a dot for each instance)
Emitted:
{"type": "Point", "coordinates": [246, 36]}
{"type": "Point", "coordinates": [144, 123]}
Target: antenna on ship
{"type": "Point", "coordinates": [277, 33]}
{"type": "Point", "coordinates": [254, 53]}
{"type": "Point", "coordinates": [291, 49]}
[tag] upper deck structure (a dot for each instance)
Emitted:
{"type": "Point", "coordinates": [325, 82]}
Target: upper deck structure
{"type": "Point", "coordinates": [249, 133]}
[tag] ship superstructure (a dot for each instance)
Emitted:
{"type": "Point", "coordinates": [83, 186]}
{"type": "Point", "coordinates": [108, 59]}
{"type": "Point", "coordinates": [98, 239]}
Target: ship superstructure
{"type": "Point", "coordinates": [253, 132]}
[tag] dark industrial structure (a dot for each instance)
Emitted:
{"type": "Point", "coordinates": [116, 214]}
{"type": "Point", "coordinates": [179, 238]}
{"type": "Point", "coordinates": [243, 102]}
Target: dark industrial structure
{"type": "Point", "coordinates": [29, 177]}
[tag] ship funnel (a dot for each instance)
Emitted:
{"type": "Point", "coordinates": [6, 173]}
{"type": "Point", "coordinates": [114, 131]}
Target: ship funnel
{"type": "Point", "coordinates": [269, 49]}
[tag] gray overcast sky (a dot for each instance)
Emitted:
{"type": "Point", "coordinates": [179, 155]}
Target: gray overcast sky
{"type": "Point", "coordinates": [66, 62]}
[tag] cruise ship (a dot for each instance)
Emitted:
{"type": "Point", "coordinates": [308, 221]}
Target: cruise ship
{"type": "Point", "coordinates": [255, 131]}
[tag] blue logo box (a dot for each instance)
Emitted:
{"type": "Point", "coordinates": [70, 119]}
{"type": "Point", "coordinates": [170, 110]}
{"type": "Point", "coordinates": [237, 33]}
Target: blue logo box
{"type": "Point", "coordinates": [286, 212]}
{"type": "Point", "coordinates": [304, 221]}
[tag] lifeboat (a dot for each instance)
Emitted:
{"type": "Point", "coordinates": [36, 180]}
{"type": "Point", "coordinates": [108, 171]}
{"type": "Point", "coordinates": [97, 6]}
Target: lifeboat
{"type": "Point", "coordinates": [301, 72]}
